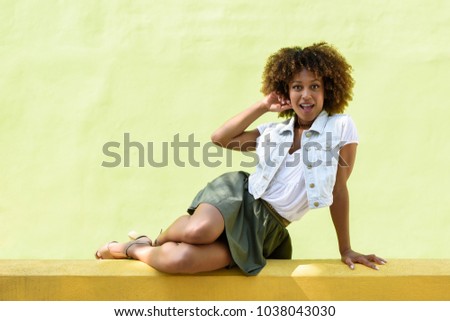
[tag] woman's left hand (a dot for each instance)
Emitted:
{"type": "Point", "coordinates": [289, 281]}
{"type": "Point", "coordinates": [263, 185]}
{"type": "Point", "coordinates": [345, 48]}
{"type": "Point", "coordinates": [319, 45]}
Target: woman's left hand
{"type": "Point", "coordinates": [351, 257]}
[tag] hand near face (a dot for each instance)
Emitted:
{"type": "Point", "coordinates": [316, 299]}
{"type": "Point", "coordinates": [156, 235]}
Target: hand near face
{"type": "Point", "coordinates": [276, 103]}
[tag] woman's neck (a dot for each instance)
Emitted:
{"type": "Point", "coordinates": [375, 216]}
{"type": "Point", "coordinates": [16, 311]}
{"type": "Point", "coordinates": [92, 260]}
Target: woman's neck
{"type": "Point", "coordinates": [303, 124]}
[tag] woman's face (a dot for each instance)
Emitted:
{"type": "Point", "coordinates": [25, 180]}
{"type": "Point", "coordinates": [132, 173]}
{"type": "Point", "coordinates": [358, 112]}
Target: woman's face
{"type": "Point", "coordinates": [306, 93]}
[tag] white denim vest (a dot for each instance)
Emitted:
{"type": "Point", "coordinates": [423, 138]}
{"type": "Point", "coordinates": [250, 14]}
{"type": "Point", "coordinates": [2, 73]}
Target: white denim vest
{"type": "Point", "coordinates": [320, 144]}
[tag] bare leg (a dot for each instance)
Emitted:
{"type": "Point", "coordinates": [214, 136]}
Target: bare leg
{"type": "Point", "coordinates": [189, 245]}
{"type": "Point", "coordinates": [203, 227]}
{"type": "Point", "coordinates": [174, 257]}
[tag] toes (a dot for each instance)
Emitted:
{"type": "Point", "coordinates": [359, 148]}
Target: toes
{"type": "Point", "coordinates": [105, 252]}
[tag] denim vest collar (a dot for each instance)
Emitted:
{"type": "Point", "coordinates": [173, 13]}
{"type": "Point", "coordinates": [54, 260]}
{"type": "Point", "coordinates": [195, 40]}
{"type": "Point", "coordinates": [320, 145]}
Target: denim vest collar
{"type": "Point", "coordinates": [318, 125]}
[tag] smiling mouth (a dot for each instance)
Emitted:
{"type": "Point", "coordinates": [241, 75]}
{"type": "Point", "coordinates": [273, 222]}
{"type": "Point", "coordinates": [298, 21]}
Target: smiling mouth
{"type": "Point", "coordinates": [307, 107]}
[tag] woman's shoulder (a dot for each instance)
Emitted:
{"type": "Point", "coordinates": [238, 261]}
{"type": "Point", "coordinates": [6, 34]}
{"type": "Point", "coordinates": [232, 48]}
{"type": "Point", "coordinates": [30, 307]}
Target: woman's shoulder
{"type": "Point", "coordinates": [342, 119]}
{"type": "Point", "coordinates": [343, 127]}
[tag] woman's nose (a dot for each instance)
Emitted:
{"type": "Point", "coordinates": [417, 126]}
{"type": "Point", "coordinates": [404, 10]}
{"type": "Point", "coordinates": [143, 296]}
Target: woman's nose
{"type": "Point", "coordinates": [306, 93]}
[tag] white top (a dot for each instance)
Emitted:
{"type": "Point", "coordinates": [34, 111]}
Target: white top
{"type": "Point", "coordinates": [287, 191]}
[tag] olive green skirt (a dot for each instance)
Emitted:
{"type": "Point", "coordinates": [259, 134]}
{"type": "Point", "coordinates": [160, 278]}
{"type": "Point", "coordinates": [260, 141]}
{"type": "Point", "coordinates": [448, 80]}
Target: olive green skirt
{"type": "Point", "coordinates": [253, 230]}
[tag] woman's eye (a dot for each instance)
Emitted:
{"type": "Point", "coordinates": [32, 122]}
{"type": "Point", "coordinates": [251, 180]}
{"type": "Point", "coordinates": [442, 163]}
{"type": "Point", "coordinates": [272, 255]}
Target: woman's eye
{"type": "Point", "coordinates": [315, 86]}
{"type": "Point", "coordinates": [296, 87]}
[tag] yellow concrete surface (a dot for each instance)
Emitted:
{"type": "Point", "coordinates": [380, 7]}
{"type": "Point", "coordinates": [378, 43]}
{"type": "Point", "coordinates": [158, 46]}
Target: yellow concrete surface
{"type": "Point", "coordinates": [280, 280]}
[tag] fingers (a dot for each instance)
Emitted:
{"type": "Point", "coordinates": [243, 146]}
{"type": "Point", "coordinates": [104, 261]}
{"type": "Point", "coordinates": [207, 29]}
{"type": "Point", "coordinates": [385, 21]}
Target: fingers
{"type": "Point", "coordinates": [376, 259]}
{"type": "Point", "coordinates": [370, 261]}
{"type": "Point", "coordinates": [350, 263]}
{"type": "Point", "coordinates": [278, 107]}
{"type": "Point", "coordinates": [277, 103]}
{"type": "Point", "coordinates": [365, 260]}
{"type": "Point", "coordinates": [284, 102]}
{"type": "Point", "coordinates": [286, 107]}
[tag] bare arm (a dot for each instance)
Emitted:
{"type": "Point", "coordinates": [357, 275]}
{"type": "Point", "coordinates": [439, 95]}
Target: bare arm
{"type": "Point", "coordinates": [340, 208]}
{"type": "Point", "coordinates": [233, 134]}
{"type": "Point", "coordinates": [340, 212]}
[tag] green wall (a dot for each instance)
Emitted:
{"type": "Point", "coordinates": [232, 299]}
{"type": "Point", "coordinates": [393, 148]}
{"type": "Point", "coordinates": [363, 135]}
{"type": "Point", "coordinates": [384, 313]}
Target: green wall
{"type": "Point", "coordinates": [75, 75]}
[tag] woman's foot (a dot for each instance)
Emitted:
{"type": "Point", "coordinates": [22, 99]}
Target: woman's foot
{"type": "Point", "coordinates": [115, 250]}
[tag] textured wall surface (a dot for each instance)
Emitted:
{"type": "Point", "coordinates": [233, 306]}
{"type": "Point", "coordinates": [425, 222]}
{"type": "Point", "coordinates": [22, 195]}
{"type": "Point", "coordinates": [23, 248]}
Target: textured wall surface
{"type": "Point", "coordinates": [75, 75]}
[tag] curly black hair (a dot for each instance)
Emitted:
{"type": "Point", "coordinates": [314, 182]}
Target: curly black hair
{"type": "Point", "coordinates": [322, 59]}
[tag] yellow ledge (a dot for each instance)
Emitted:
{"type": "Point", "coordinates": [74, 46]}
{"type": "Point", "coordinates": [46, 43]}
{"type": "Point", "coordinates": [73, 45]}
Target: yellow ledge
{"type": "Point", "coordinates": [280, 280]}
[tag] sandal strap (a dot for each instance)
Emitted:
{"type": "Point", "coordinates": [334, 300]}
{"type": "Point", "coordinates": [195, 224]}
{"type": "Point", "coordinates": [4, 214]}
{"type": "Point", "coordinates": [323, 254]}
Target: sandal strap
{"type": "Point", "coordinates": [135, 243]}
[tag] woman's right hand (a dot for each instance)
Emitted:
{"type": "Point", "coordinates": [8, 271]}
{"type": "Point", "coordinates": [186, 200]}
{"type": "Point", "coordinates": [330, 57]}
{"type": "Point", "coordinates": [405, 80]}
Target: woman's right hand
{"type": "Point", "coordinates": [274, 102]}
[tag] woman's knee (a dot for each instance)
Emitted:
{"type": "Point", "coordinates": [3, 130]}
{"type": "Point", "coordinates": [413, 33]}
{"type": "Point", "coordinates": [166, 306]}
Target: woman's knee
{"type": "Point", "coordinates": [204, 227]}
{"type": "Point", "coordinates": [201, 233]}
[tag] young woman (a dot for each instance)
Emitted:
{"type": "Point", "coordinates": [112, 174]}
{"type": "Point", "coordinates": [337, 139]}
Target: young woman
{"type": "Point", "coordinates": [304, 163]}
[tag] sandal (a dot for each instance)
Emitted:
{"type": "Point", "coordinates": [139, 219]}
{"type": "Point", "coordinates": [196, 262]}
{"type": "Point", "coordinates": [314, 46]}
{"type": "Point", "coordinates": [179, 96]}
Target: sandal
{"type": "Point", "coordinates": [134, 236]}
{"type": "Point", "coordinates": [106, 253]}
{"type": "Point", "coordinates": [137, 239]}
